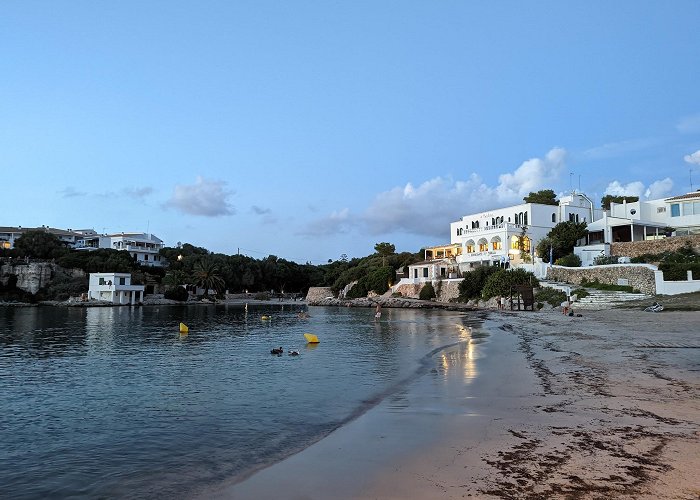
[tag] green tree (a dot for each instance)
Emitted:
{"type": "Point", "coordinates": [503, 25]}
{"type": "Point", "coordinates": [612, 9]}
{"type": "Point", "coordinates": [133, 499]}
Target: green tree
{"type": "Point", "coordinates": [384, 249]}
{"type": "Point", "coordinates": [473, 283]}
{"type": "Point", "coordinates": [206, 275]}
{"type": "Point", "coordinates": [499, 283]}
{"type": "Point", "coordinates": [544, 197]}
{"type": "Point", "coordinates": [39, 244]}
{"type": "Point", "coordinates": [562, 239]}
{"type": "Point", "coordinates": [608, 198]}
{"type": "Point", "coordinates": [379, 279]}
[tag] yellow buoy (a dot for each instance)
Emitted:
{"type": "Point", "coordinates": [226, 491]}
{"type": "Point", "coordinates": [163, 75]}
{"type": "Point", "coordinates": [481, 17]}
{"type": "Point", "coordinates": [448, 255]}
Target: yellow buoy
{"type": "Point", "coordinates": [266, 318]}
{"type": "Point", "coordinates": [183, 328]}
{"type": "Point", "coordinates": [311, 338]}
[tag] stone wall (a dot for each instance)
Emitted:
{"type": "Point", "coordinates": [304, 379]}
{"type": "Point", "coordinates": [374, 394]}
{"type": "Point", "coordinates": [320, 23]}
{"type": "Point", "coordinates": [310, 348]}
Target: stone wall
{"type": "Point", "coordinates": [639, 276]}
{"type": "Point", "coordinates": [444, 289]}
{"type": "Point", "coordinates": [637, 248]}
{"type": "Point", "coordinates": [35, 275]}
{"type": "Point", "coordinates": [317, 293]}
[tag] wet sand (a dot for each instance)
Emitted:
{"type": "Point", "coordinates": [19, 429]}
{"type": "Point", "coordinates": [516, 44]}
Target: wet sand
{"type": "Point", "coordinates": [539, 405]}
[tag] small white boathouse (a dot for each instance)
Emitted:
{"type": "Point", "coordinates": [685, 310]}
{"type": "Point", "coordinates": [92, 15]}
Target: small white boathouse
{"type": "Point", "coordinates": [115, 288]}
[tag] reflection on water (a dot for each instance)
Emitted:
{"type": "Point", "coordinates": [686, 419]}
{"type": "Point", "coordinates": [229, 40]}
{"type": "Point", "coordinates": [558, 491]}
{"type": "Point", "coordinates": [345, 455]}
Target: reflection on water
{"type": "Point", "coordinates": [114, 402]}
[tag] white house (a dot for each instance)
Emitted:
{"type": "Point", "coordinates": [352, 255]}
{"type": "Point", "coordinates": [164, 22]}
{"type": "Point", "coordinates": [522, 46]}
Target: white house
{"type": "Point", "coordinates": [640, 221]}
{"type": "Point", "coordinates": [115, 288]}
{"type": "Point", "coordinates": [494, 237]}
{"type": "Point", "coordinates": [143, 247]}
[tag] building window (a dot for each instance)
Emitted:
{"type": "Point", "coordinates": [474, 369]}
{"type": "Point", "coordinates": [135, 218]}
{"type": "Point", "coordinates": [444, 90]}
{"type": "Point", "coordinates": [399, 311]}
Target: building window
{"type": "Point", "coordinates": [525, 219]}
{"type": "Point", "coordinates": [122, 281]}
{"type": "Point", "coordinates": [660, 210]}
{"type": "Point", "coordinates": [554, 217]}
{"type": "Point", "coordinates": [497, 245]}
{"type": "Point", "coordinates": [675, 210]}
{"type": "Point", "coordinates": [577, 218]}
{"type": "Point", "coordinates": [425, 272]}
{"type": "Point", "coordinates": [102, 281]}
{"type": "Point", "coordinates": [483, 245]}
{"type": "Point", "coordinates": [470, 248]}
{"type": "Point", "coordinates": [493, 221]}
{"type": "Point", "coordinates": [571, 217]}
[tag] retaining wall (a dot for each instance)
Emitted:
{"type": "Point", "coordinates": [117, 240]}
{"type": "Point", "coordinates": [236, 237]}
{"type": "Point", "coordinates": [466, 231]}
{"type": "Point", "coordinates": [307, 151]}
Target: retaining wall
{"type": "Point", "coordinates": [639, 276]}
{"type": "Point", "coordinates": [637, 248]}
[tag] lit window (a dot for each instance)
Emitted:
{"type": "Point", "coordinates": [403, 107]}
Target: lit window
{"type": "Point", "coordinates": [497, 245]}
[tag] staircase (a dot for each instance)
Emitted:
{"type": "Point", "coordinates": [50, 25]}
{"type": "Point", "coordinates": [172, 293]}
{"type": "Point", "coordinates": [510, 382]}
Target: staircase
{"type": "Point", "coordinates": [597, 299]}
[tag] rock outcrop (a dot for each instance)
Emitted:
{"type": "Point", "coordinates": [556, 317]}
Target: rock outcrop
{"type": "Point", "coordinates": [33, 276]}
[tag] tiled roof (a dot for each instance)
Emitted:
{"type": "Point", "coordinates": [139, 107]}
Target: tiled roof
{"type": "Point", "coordinates": [687, 196]}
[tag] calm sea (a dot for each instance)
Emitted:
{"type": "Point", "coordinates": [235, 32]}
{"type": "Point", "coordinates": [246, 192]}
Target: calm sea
{"type": "Point", "coordinates": [114, 402]}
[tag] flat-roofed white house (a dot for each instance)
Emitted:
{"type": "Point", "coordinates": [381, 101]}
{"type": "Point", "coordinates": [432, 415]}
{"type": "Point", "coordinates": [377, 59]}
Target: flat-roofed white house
{"type": "Point", "coordinates": [494, 237]}
{"type": "Point", "coordinates": [143, 247]}
{"type": "Point", "coordinates": [115, 288]}
{"type": "Point", "coordinates": [640, 221]}
{"type": "Point", "coordinates": [69, 237]}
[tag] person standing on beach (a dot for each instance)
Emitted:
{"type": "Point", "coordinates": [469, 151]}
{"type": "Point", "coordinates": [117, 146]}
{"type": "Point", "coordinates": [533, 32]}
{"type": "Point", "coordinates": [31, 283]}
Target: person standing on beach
{"type": "Point", "coordinates": [503, 303]}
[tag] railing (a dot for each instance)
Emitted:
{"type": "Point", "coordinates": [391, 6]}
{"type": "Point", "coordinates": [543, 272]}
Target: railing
{"type": "Point", "coordinates": [502, 225]}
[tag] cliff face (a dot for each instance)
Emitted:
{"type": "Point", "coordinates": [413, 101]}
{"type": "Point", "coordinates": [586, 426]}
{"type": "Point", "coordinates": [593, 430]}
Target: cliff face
{"type": "Point", "coordinates": [35, 275]}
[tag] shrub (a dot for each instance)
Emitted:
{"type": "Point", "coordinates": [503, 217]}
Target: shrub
{"type": "Point", "coordinates": [358, 290]}
{"type": "Point", "coordinates": [571, 260]}
{"type": "Point", "coordinates": [602, 260]}
{"type": "Point", "coordinates": [551, 296]}
{"type": "Point", "coordinates": [262, 296]}
{"type": "Point", "coordinates": [427, 292]}
{"type": "Point", "coordinates": [177, 293]}
{"type": "Point", "coordinates": [397, 294]}
{"type": "Point", "coordinates": [580, 293]}
{"type": "Point", "coordinates": [473, 283]}
{"type": "Point", "coordinates": [378, 279]}
{"type": "Point", "coordinates": [679, 271]}
{"type": "Point", "coordinates": [499, 283]}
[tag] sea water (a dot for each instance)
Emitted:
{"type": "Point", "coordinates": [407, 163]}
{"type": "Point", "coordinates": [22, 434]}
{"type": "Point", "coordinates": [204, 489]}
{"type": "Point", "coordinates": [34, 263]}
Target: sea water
{"type": "Point", "coordinates": [115, 402]}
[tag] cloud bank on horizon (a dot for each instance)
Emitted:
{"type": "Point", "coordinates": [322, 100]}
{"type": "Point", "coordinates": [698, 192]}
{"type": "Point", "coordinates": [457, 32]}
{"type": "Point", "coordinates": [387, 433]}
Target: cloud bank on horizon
{"type": "Point", "coordinates": [427, 209]}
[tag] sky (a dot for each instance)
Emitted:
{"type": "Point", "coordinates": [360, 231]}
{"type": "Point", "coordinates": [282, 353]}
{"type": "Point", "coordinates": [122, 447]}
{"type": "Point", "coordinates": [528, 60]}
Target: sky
{"type": "Point", "coordinates": [313, 129]}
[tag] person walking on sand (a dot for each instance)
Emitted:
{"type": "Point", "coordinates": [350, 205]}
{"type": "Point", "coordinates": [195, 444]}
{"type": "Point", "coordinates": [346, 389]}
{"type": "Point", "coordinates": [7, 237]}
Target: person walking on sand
{"type": "Point", "coordinates": [503, 303]}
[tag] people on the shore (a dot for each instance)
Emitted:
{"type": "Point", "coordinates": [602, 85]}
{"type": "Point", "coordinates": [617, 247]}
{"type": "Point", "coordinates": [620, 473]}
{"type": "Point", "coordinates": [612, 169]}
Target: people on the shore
{"type": "Point", "coordinates": [502, 301]}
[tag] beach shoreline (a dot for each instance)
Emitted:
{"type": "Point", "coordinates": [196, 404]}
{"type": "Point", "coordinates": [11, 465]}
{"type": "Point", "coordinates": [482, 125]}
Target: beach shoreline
{"type": "Point", "coordinates": [599, 406]}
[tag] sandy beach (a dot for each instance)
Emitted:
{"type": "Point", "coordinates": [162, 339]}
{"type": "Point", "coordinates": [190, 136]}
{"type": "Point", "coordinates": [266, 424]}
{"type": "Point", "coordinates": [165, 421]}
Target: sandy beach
{"type": "Point", "coordinates": [533, 405]}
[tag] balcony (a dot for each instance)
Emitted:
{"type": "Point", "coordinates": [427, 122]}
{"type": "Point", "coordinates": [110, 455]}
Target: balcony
{"type": "Point", "coordinates": [508, 226]}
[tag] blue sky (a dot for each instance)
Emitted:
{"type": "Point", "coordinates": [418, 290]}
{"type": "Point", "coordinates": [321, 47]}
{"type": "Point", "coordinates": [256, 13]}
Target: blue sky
{"type": "Point", "coordinates": [308, 130]}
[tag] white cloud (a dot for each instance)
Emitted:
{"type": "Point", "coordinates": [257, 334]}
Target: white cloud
{"type": "Point", "coordinates": [260, 210]}
{"type": "Point", "coordinates": [70, 192]}
{"type": "Point", "coordinates": [616, 188]}
{"type": "Point", "coordinates": [689, 124]}
{"type": "Point", "coordinates": [137, 193]}
{"type": "Point", "coordinates": [620, 148]}
{"type": "Point", "coordinates": [657, 189]}
{"type": "Point", "coordinates": [694, 158]}
{"type": "Point", "coordinates": [336, 223]}
{"type": "Point", "coordinates": [204, 197]}
{"type": "Point", "coordinates": [428, 208]}
{"type": "Point", "coordinates": [531, 175]}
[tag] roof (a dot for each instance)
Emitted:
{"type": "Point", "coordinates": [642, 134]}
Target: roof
{"type": "Point", "coordinates": [433, 261]}
{"type": "Point", "coordinates": [688, 196]}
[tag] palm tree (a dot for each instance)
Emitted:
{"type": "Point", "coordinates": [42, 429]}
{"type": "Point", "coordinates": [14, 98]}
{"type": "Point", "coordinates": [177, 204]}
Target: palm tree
{"type": "Point", "coordinates": [206, 275]}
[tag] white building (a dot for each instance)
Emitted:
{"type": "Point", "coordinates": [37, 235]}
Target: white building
{"type": "Point", "coordinates": [143, 247]}
{"type": "Point", "coordinates": [494, 237]}
{"type": "Point", "coordinates": [115, 288]}
{"type": "Point", "coordinates": [640, 221]}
